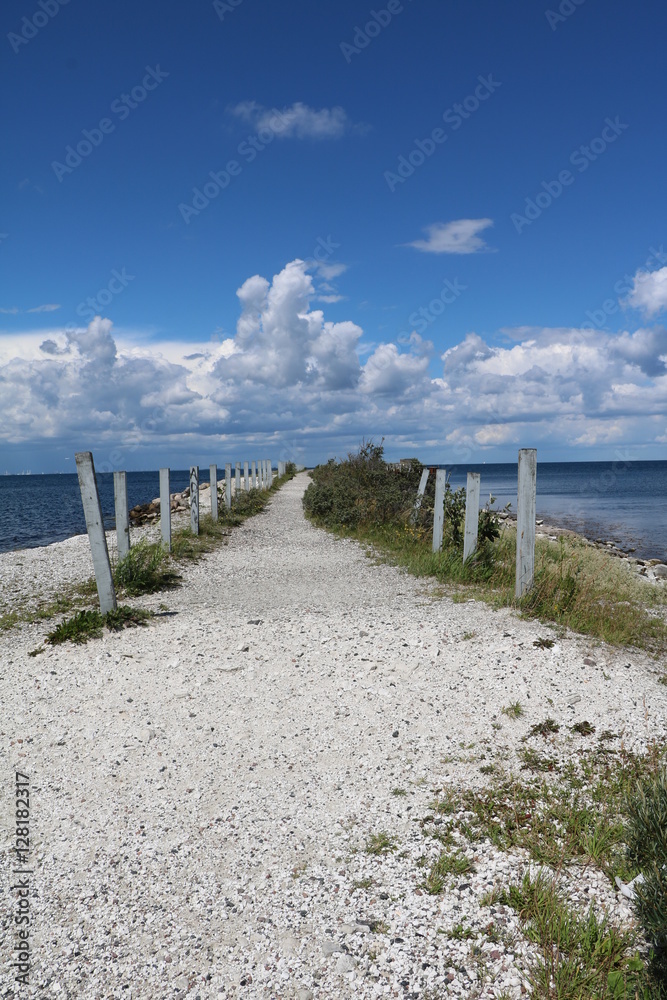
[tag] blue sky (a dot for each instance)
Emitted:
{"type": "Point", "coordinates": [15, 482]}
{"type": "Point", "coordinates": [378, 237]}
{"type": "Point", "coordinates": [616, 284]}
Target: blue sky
{"type": "Point", "coordinates": [240, 227]}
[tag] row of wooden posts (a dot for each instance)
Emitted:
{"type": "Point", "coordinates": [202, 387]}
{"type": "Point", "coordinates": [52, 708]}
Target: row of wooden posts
{"type": "Point", "coordinates": [256, 475]}
{"type": "Point", "coordinates": [525, 524]}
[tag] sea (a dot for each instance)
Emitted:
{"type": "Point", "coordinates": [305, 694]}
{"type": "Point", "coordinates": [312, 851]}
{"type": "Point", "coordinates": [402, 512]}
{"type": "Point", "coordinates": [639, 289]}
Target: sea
{"type": "Point", "coordinates": [620, 502]}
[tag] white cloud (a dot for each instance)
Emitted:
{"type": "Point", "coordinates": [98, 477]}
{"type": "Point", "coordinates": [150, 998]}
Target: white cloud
{"type": "Point", "coordinates": [49, 307]}
{"type": "Point", "coordinates": [296, 121]}
{"type": "Point", "coordinates": [288, 374]}
{"type": "Point", "coordinates": [649, 292]}
{"type": "Point", "coordinates": [459, 236]}
{"type": "Point", "coordinates": [11, 311]}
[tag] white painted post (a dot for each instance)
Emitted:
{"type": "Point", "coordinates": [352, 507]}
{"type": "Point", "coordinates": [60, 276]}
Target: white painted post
{"type": "Point", "coordinates": [245, 477]}
{"type": "Point", "coordinates": [213, 477]}
{"type": "Point", "coordinates": [228, 486]}
{"type": "Point", "coordinates": [269, 473]}
{"type": "Point", "coordinates": [420, 492]}
{"type": "Point", "coordinates": [253, 477]}
{"type": "Point", "coordinates": [194, 499]}
{"type": "Point", "coordinates": [472, 514]}
{"type": "Point", "coordinates": [439, 509]}
{"type": "Point", "coordinates": [260, 474]}
{"type": "Point", "coordinates": [165, 509]}
{"type": "Point", "coordinates": [238, 478]}
{"type": "Point", "coordinates": [525, 521]}
{"type": "Point", "coordinates": [95, 527]}
{"type": "Point", "coordinates": [122, 516]}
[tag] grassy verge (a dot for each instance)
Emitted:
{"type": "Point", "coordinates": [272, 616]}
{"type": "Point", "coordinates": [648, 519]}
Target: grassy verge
{"type": "Point", "coordinates": [147, 569]}
{"type": "Point", "coordinates": [577, 586]}
{"type": "Point", "coordinates": [579, 813]}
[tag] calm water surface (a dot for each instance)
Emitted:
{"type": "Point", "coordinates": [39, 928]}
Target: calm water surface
{"type": "Point", "coordinates": [621, 502]}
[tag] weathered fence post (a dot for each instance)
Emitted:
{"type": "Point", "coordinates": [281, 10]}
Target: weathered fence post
{"type": "Point", "coordinates": [281, 470]}
{"type": "Point", "coordinates": [213, 477]}
{"type": "Point", "coordinates": [194, 499]}
{"type": "Point", "coordinates": [269, 474]}
{"type": "Point", "coordinates": [472, 514]}
{"type": "Point", "coordinates": [420, 492]}
{"type": "Point", "coordinates": [122, 517]}
{"type": "Point", "coordinates": [228, 486]}
{"type": "Point", "coordinates": [260, 474]}
{"type": "Point", "coordinates": [253, 481]}
{"type": "Point", "coordinates": [238, 478]}
{"type": "Point", "coordinates": [165, 509]}
{"type": "Point", "coordinates": [525, 520]}
{"type": "Point", "coordinates": [95, 527]}
{"type": "Point", "coordinates": [439, 509]}
{"type": "Point", "coordinates": [245, 477]}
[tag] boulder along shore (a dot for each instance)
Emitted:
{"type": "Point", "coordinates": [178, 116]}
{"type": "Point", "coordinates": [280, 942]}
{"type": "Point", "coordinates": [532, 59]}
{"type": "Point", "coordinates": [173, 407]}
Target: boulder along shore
{"type": "Point", "coordinates": [204, 792]}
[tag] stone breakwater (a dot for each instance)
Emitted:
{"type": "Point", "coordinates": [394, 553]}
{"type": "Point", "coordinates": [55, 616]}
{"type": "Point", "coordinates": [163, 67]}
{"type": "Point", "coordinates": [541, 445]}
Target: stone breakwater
{"type": "Point", "coordinates": [203, 790]}
{"type": "Point", "coordinates": [148, 513]}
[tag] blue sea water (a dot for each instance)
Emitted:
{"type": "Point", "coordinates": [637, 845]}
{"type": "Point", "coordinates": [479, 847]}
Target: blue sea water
{"type": "Point", "coordinates": [622, 502]}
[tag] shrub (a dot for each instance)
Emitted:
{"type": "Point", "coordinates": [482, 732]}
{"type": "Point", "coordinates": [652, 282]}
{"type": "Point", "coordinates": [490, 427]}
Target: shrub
{"type": "Point", "coordinates": [647, 850]}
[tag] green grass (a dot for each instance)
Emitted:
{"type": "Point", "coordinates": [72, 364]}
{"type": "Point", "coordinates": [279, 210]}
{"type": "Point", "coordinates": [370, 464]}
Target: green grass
{"type": "Point", "coordinates": [581, 957]}
{"type": "Point", "coordinates": [513, 710]}
{"type": "Point", "coordinates": [89, 624]}
{"type": "Point", "coordinates": [445, 865]}
{"type": "Point", "coordinates": [380, 843]}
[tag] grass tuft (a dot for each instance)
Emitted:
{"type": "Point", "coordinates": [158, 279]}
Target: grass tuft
{"type": "Point", "coordinates": [89, 624]}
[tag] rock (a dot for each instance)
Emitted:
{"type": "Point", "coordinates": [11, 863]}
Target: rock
{"type": "Point", "coordinates": [344, 964]}
{"type": "Point", "coordinates": [660, 571]}
{"type": "Point", "coordinates": [330, 947]}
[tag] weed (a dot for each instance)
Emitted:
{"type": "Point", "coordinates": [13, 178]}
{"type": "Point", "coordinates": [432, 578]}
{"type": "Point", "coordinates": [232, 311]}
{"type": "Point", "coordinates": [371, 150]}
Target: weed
{"type": "Point", "coordinates": [143, 570]}
{"type": "Point", "coordinates": [581, 957]}
{"type": "Point", "coordinates": [364, 883]}
{"type": "Point", "coordinates": [88, 624]}
{"type": "Point", "coordinates": [513, 711]}
{"type": "Point", "coordinates": [399, 792]}
{"type": "Point", "coordinates": [533, 761]}
{"type": "Point", "coordinates": [583, 728]}
{"type": "Point", "coordinates": [380, 843]}
{"type": "Point", "coordinates": [543, 643]}
{"type": "Point", "coordinates": [461, 933]}
{"type": "Point", "coordinates": [547, 728]}
{"type": "Point", "coordinates": [468, 635]}
{"type": "Point", "coordinates": [445, 865]}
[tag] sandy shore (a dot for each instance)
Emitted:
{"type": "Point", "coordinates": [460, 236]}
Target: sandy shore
{"type": "Point", "coordinates": [202, 789]}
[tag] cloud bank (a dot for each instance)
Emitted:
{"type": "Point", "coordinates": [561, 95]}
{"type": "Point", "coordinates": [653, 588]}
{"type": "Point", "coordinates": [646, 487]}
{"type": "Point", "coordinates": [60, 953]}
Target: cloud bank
{"type": "Point", "coordinates": [307, 387]}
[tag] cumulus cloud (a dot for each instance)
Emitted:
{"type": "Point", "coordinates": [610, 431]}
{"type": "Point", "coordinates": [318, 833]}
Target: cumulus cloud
{"type": "Point", "coordinates": [290, 376]}
{"type": "Point", "coordinates": [459, 236]}
{"type": "Point", "coordinates": [298, 121]}
{"type": "Point", "coordinates": [649, 292]}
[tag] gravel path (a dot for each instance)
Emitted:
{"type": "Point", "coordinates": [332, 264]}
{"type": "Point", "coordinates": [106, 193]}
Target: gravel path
{"type": "Point", "coordinates": [203, 789]}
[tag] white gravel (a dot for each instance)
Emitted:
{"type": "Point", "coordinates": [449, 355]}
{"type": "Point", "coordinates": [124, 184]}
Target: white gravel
{"type": "Point", "coordinates": [199, 813]}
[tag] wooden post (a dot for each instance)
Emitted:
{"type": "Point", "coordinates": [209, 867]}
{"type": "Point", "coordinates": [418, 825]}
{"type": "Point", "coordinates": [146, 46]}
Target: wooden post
{"type": "Point", "coordinates": [165, 509]}
{"type": "Point", "coordinates": [95, 527]}
{"type": "Point", "coordinates": [122, 516]}
{"type": "Point", "coordinates": [238, 478]}
{"type": "Point", "coordinates": [245, 477]}
{"type": "Point", "coordinates": [253, 477]}
{"type": "Point", "coordinates": [213, 477]}
{"type": "Point", "coordinates": [472, 514]}
{"type": "Point", "coordinates": [525, 521]}
{"type": "Point", "coordinates": [420, 492]}
{"type": "Point", "coordinates": [439, 509]}
{"type": "Point", "coordinates": [194, 499]}
{"type": "Point", "coordinates": [228, 486]}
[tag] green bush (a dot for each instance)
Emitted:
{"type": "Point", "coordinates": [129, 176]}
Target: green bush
{"type": "Point", "coordinates": [647, 851]}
